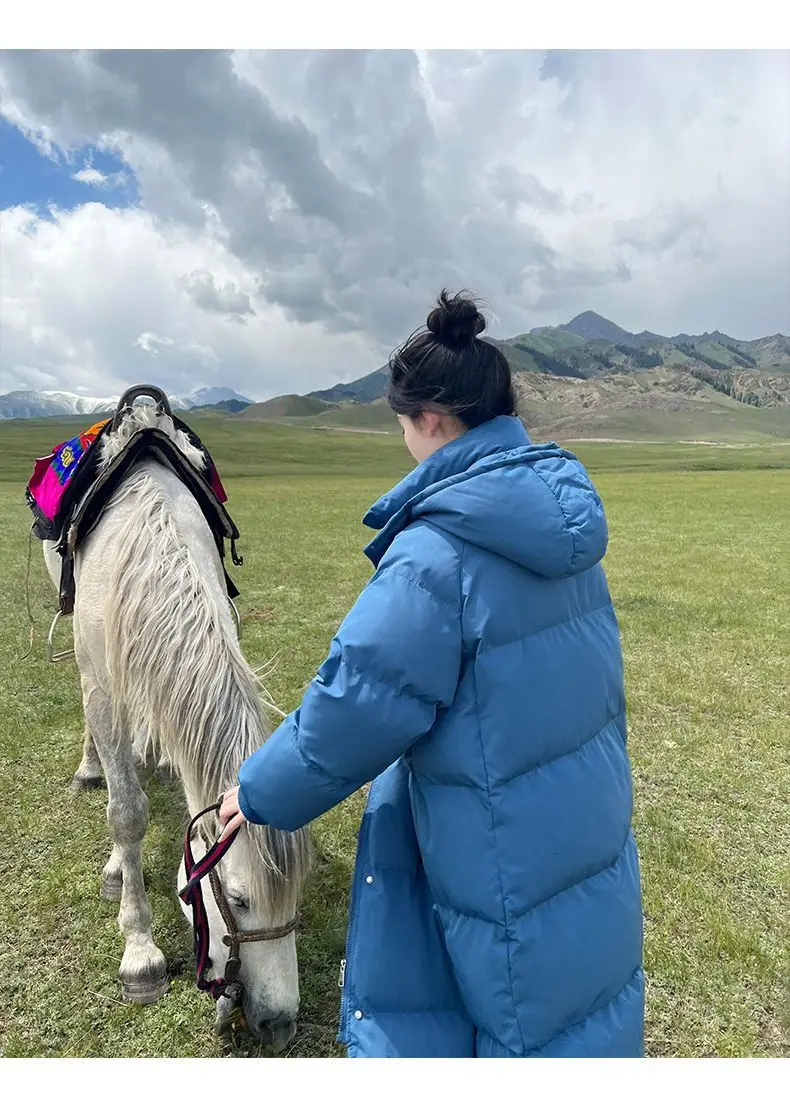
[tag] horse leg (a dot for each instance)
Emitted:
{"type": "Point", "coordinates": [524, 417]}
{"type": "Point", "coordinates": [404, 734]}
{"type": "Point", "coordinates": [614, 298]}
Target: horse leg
{"type": "Point", "coordinates": [89, 776]}
{"type": "Point", "coordinates": [89, 773]}
{"type": "Point", "coordinates": [143, 759]}
{"type": "Point", "coordinates": [148, 763]}
{"type": "Point", "coordinates": [143, 969]}
{"type": "Point", "coordinates": [112, 874]}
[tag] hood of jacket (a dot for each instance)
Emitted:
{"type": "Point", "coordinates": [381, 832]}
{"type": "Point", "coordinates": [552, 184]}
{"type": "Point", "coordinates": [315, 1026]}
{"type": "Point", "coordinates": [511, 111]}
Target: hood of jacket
{"type": "Point", "coordinates": [491, 487]}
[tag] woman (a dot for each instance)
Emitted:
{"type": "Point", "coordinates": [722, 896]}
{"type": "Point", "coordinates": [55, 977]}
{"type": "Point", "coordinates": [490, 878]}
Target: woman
{"type": "Point", "coordinates": [496, 906]}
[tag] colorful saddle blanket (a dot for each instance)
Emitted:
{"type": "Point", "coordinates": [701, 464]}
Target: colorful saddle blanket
{"type": "Point", "coordinates": [52, 475]}
{"type": "Point", "coordinates": [67, 492]}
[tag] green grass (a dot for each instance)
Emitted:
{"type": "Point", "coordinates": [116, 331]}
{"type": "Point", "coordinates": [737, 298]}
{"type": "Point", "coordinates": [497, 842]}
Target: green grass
{"type": "Point", "coordinates": [700, 574]}
{"type": "Point", "coordinates": [263, 448]}
{"type": "Point", "coordinates": [719, 419]}
{"type": "Point", "coordinates": [242, 448]}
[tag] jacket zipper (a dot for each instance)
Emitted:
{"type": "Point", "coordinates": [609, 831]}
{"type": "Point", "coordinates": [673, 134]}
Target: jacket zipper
{"type": "Point", "coordinates": [347, 961]}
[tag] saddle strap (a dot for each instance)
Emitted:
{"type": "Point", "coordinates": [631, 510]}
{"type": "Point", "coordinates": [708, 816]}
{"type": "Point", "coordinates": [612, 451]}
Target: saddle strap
{"type": "Point", "coordinates": [67, 587]}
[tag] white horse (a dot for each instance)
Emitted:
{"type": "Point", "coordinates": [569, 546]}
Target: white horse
{"type": "Point", "coordinates": [157, 652]}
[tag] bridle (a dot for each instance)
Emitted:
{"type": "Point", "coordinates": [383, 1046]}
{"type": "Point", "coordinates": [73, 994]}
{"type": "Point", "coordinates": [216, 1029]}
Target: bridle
{"type": "Point", "coordinates": [229, 986]}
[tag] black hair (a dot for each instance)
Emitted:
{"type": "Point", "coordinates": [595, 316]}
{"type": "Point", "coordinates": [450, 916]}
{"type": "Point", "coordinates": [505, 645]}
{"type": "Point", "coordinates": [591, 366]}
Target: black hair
{"type": "Point", "coordinates": [446, 367]}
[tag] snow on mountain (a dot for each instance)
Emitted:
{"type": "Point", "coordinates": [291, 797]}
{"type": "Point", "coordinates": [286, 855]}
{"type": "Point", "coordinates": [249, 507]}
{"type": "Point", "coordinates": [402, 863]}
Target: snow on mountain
{"type": "Point", "coordinates": [212, 396]}
{"type": "Point", "coordinates": [24, 404]}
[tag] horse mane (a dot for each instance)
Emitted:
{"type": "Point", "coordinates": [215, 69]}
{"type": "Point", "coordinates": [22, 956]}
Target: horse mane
{"type": "Point", "coordinates": [178, 672]}
{"type": "Point", "coordinates": [142, 417]}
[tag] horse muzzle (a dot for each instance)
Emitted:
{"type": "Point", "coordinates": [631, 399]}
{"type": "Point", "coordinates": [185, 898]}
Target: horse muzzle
{"type": "Point", "coordinates": [274, 1033]}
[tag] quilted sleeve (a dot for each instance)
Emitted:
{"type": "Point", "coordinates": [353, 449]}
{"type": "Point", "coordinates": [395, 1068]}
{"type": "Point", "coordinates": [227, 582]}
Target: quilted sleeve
{"type": "Point", "coordinates": [394, 662]}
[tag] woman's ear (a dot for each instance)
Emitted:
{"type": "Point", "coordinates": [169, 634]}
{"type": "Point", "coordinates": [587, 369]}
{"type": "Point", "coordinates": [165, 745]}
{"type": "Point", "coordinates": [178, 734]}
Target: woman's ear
{"type": "Point", "coordinates": [430, 423]}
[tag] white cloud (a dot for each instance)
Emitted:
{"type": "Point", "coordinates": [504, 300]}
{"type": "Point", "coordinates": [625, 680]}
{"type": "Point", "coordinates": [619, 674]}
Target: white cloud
{"type": "Point", "coordinates": [150, 343]}
{"type": "Point", "coordinates": [98, 298]}
{"type": "Point", "coordinates": [299, 210]}
{"type": "Point", "coordinates": [103, 180]}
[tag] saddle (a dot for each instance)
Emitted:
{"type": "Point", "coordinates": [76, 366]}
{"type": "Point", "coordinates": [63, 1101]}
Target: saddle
{"type": "Point", "coordinates": [68, 494]}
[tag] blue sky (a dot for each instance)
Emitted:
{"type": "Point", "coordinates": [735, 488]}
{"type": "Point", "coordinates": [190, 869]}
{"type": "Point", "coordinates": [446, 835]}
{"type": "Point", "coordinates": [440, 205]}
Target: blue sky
{"type": "Point", "coordinates": [29, 176]}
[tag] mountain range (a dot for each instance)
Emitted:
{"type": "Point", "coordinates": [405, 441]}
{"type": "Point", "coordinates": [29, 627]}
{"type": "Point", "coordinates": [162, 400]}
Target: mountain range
{"type": "Point", "coordinates": [586, 379]}
{"type": "Point", "coordinates": [63, 403]}
{"type": "Point", "coordinates": [591, 378]}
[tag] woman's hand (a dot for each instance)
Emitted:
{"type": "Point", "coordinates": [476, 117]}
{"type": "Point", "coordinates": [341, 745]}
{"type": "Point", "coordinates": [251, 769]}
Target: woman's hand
{"type": "Point", "coordinates": [230, 815]}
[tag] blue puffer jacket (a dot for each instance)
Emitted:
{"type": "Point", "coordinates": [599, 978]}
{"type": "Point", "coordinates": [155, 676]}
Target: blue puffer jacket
{"type": "Point", "coordinates": [496, 907]}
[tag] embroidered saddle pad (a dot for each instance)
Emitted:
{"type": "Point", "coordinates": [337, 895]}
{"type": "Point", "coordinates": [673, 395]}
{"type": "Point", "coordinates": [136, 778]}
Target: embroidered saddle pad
{"type": "Point", "coordinates": [52, 474]}
{"type": "Point", "coordinates": [68, 494]}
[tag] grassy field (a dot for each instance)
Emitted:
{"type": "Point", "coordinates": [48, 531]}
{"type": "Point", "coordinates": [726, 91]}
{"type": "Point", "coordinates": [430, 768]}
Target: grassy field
{"type": "Point", "coordinates": [699, 568]}
{"type": "Point", "coordinates": [265, 449]}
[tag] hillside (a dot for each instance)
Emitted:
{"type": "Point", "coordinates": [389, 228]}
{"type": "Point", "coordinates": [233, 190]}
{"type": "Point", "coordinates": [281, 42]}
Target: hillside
{"type": "Point", "coordinates": [367, 389]}
{"type": "Point", "coordinates": [315, 413]}
{"type": "Point", "coordinates": [656, 404]}
{"type": "Point", "coordinates": [286, 406]}
{"type": "Point", "coordinates": [590, 377]}
{"type": "Point", "coordinates": [590, 326]}
{"type": "Point", "coordinates": [578, 350]}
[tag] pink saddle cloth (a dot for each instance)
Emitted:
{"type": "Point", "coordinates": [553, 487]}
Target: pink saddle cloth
{"type": "Point", "coordinates": [53, 473]}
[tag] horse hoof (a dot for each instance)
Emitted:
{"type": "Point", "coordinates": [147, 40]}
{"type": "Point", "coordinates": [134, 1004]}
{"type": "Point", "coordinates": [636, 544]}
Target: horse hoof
{"type": "Point", "coordinates": [143, 974]}
{"type": "Point", "coordinates": [144, 991]}
{"type": "Point", "coordinates": [111, 888]}
{"type": "Point", "coordinates": [83, 784]}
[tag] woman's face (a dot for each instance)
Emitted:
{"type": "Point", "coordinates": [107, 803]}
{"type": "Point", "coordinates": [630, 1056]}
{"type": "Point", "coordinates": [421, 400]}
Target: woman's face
{"type": "Point", "coordinates": [428, 432]}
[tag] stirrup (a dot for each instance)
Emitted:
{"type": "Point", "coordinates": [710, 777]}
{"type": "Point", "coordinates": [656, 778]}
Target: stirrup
{"type": "Point", "coordinates": [53, 655]}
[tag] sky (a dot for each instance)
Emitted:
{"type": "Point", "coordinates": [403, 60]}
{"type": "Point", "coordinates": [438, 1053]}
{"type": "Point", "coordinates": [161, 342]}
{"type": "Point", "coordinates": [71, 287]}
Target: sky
{"type": "Point", "coordinates": [278, 221]}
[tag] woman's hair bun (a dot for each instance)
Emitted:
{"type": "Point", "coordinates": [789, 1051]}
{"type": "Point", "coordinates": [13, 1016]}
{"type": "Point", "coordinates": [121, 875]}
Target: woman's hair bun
{"type": "Point", "coordinates": [455, 321]}
{"type": "Point", "coordinates": [443, 367]}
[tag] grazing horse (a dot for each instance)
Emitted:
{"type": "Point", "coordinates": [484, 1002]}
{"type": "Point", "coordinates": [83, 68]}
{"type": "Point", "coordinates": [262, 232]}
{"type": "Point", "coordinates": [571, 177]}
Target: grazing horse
{"type": "Point", "coordinates": [158, 654]}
